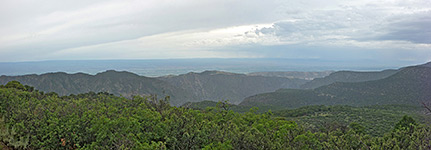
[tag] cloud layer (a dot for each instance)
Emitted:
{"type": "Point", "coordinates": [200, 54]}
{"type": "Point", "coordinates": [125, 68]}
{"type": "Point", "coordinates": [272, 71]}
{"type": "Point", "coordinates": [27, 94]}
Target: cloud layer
{"type": "Point", "coordinates": [391, 29]}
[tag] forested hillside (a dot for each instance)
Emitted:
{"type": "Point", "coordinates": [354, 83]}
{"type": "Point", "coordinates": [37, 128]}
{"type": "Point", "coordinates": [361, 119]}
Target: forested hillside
{"type": "Point", "coordinates": [191, 87]}
{"type": "Point", "coordinates": [348, 76]}
{"type": "Point", "coordinates": [30, 119]}
{"type": "Point", "coordinates": [411, 86]}
{"type": "Point", "coordinates": [217, 85]}
{"type": "Point", "coordinates": [352, 76]}
{"type": "Point", "coordinates": [375, 119]}
{"type": "Point", "coordinates": [118, 83]}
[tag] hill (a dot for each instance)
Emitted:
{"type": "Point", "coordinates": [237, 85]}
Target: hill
{"type": "Point", "coordinates": [293, 74]}
{"type": "Point", "coordinates": [191, 87]}
{"type": "Point", "coordinates": [411, 85]}
{"type": "Point", "coordinates": [427, 64]}
{"type": "Point", "coordinates": [119, 83]}
{"type": "Point", "coordinates": [217, 85]}
{"type": "Point", "coordinates": [348, 76]}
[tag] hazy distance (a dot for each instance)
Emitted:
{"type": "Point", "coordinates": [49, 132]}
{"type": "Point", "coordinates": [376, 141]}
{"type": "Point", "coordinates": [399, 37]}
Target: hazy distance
{"type": "Point", "coordinates": [162, 67]}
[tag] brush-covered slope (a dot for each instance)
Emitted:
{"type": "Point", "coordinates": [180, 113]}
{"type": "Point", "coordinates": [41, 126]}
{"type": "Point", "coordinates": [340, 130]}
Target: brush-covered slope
{"type": "Point", "coordinates": [376, 119]}
{"type": "Point", "coordinates": [119, 83]}
{"type": "Point", "coordinates": [411, 85]}
{"type": "Point", "coordinates": [348, 76]}
{"type": "Point", "coordinates": [217, 85]}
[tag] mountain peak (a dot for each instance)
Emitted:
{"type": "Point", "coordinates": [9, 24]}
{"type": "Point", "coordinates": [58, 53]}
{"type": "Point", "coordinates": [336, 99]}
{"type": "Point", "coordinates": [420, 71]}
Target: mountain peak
{"type": "Point", "coordinates": [428, 64]}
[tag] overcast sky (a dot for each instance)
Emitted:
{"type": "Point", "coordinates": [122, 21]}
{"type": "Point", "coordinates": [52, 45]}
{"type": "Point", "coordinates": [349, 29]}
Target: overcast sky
{"type": "Point", "coordinates": [392, 30]}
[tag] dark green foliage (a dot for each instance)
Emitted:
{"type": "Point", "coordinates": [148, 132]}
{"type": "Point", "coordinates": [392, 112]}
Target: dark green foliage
{"type": "Point", "coordinates": [376, 120]}
{"type": "Point", "coordinates": [15, 84]}
{"type": "Point", "coordinates": [236, 108]}
{"type": "Point", "coordinates": [407, 123]}
{"type": "Point", "coordinates": [358, 128]}
{"type": "Point", "coordinates": [104, 121]}
{"type": "Point", "coordinates": [33, 120]}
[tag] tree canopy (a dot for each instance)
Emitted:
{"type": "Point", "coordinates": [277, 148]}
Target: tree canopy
{"type": "Point", "coordinates": [34, 120]}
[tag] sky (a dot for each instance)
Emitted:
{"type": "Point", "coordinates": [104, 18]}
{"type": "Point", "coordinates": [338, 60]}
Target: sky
{"type": "Point", "coordinates": [389, 30]}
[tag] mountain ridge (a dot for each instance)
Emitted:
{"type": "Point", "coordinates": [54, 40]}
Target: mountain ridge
{"type": "Point", "coordinates": [348, 76]}
{"type": "Point", "coordinates": [293, 74]}
{"type": "Point", "coordinates": [410, 85]}
{"type": "Point", "coordinates": [116, 82]}
{"type": "Point", "coordinates": [191, 87]}
{"type": "Point", "coordinates": [219, 85]}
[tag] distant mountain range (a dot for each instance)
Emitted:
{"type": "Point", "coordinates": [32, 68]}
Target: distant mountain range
{"type": "Point", "coordinates": [406, 86]}
{"type": "Point", "coordinates": [118, 83]}
{"type": "Point", "coordinates": [293, 74]}
{"type": "Point", "coordinates": [191, 87]}
{"type": "Point", "coordinates": [409, 85]}
{"type": "Point", "coordinates": [161, 67]}
{"type": "Point", "coordinates": [427, 64]}
{"type": "Point", "coordinates": [218, 85]}
{"type": "Point", "coordinates": [348, 76]}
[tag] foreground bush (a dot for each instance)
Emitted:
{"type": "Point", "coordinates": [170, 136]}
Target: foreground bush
{"type": "Point", "coordinates": [35, 120]}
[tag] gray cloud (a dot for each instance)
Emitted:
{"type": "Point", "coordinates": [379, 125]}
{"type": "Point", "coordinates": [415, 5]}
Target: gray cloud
{"type": "Point", "coordinates": [415, 28]}
{"type": "Point", "coordinates": [52, 29]}
{"type": "Point", "coordinates": [371, 23]}
{"type": "Point", "coordinates": [62, 25]}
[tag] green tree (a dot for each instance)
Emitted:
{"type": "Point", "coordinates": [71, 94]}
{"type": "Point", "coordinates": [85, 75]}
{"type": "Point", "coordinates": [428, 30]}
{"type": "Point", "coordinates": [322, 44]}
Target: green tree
{"type": "Point", "coordinates": [406, 123]}
{"type": "Point", "coordinates": [15, 84]}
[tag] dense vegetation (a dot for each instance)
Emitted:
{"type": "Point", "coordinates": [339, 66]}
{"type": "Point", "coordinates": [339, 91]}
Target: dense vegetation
{"type": "Point", "coordinates": [376, 119]}
{"type": "Point", "coordinates": [409, 86]}
{"type": "Point", "coordinates": [34, 120]}
{"type": "Point", "coordinates": [229, 106]}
